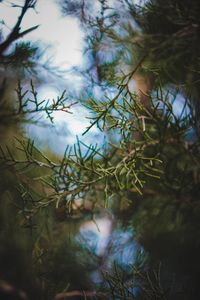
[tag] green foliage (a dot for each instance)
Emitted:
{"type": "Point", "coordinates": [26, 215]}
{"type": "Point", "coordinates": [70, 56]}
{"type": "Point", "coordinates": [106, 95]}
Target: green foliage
{"type": "Point", "coordinates": [147, 171]}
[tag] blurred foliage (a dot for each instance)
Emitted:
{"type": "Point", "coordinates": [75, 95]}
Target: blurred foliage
{"type": "Point", "coordinates": [146, 172]}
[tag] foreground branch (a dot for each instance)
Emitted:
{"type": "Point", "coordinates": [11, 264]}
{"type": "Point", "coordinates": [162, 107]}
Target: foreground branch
{"type": "Point", "coordinates": [70, 294]}
{"type": "Point", "coordinates": [15, 33]}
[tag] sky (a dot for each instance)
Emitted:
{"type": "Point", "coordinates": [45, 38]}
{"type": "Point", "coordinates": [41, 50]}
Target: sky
{"type": "Point", "coordinates": [65, 39]}
{"type": "Point", "coordinates": [63, 34]}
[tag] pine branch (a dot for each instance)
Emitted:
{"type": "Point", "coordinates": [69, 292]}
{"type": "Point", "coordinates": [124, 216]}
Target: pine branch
{"type": "Point", "coordinates": [15, 33]}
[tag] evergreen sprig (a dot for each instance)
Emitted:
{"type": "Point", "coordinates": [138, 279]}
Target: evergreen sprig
{"type": "Point", "coordinates": [119, 167]}
{"type": "Point", "coordinates": [30, 105]}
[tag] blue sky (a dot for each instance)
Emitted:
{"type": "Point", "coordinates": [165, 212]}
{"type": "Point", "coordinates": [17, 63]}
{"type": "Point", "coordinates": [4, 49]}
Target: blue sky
{"type": "Point", "coordinates": [66, 41]}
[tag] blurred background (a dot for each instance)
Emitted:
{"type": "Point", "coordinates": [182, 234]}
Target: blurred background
{"type": "Point", "coordinates": [99, 156]}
